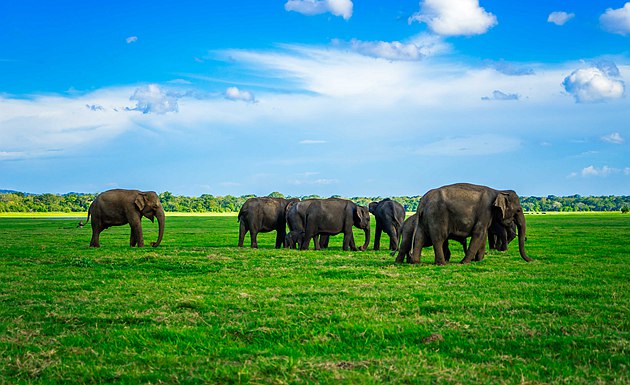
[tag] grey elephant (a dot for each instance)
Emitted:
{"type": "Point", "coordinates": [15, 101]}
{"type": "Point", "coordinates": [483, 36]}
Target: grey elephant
{"type": "Point", "coordinates": [296, 220]}
{"type": "Point", "coordinates": [389, 216]}
{"type": "Point", "coordinates": [262, 215]}
{"type": "Point", "coordinates": [406, 240]}
{"type": "Point", "coordinates": [465, 210]}
{"type": "Point", "coordinates": [499, 237]}
{"type": "Point", "coordinates": [119, 207]}
{"type": "Point", "coordinates": [334, 216]}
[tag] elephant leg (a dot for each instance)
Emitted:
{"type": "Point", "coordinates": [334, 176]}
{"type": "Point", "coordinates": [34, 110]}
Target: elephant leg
{"type": "Point", "coordinates": [476, 241]}
{"type": "Point", "coordinates": [305, 241]}
{"type": "Point", "coordinates": [280, 239]}
{"type": "Point", "coordinates": [136, 233]}
{"type": "Point", "coordinates": [133, 241]}
{"type": "Point", "coordinates": [447, 251]}
{"type": "Point", "coordinates": [392, 232]}
{"type": "Point", "coordinates": [377, 237]}
{"type": "Point", "coordinates": [403, 251]}
{"type": "Point", "coordinates": [348, 241]}
{"type": "Point", "coordinates": [242, 231]}
{"type": "Point", "coordinates": [438, 249]}
{"type": "Point", "coordinates": [96, 232]}
{"type": "Point", "coordinates": [480, 253]}
{"type": "Point", "coordinates": [253, 236]}
{"type": "Point", "coordinates": [414, 254]}
{"type": "Point", "coordinates": [323, 241]}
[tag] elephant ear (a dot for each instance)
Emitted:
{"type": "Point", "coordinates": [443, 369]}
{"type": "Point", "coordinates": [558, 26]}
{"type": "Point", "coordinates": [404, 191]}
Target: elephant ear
{"type": "Point", "coordinates": [372, 206]}
{"type": "Point", "coordinates": [358, 213]}
{"type": "Point", "coordinates": [502, 203]}
{"type": "Point", "coordinates": [141, 201]}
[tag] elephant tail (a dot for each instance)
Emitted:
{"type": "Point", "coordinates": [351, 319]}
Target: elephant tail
{"type": "Point", "coordinates": [81, 224]}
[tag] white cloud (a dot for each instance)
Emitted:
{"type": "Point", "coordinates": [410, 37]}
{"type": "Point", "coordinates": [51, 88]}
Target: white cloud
{"type": "Point", "coordinates": [595, 84]}
{"type": "Point", "coordinates": [51, 125]}
{"type": "Point", "coordinates": [341, 8]}
{"type": "Point", "coordinates": [498, 95]}
{"type": "Point", "coordinates": [594, 171]}
{"type": "Point", "coordinates": [235, 94]}
{"type": "Point", "coordinates": [454, 17]}
{"type": "Point", "coordinates": [418, 47]}
{"type": "Point", "coordinates": [614, 137]}
{"type": "Point", "coordinates": [131, 39]}
{"type": "Point", "coordinates": [152, 99]}
{"type": "Point", "coordinates": [559, 17]}
{"type": "Point", "coordinates": [616, 20]}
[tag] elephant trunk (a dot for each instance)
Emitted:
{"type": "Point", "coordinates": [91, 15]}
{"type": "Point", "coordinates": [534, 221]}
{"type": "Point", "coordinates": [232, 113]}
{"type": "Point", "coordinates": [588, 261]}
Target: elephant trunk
{"type": "Point", "coordinates": [520, 225]}
{"type": "Point", "coordinates": [159, 214]}
{"type": "Point", "coordinates": [367, 239]}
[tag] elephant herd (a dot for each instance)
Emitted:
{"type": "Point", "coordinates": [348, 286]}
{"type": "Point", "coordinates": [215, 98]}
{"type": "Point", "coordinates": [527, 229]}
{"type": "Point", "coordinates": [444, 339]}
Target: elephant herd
{"type": "Point", "coordinates": [454, 212]}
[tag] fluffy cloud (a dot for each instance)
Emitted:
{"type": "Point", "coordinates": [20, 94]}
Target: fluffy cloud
{"type": "Point", "coordinates": [455, 17]}
{"type": "Point", "coordinates": [233, 93]}
{"type": "Point", "coordinates": [595, 84]}
{"type": "Point", "coordinates": [341, 8]}
{"type": "Point", "coordinates": [604, 171]}
{"type": "Point", "coordinates": [152, 99]}
{"type": "Point", "coordinates": [615, 138]}
{"type": "Point", "coordinates": [616, 20]}
{"type": "Point", "coordinates": [559, 17]}
{"type": "Point", "coordinates": [416, 48]}
{"type": "Point", "coordinates": [498, 95]}
{"type": "Point", "coordinates": [131, 39]}
{"type": "Point", "coordinates": [51, 126]}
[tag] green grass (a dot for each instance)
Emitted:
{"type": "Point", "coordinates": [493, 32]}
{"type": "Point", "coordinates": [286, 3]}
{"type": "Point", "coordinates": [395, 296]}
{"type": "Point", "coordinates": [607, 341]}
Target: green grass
{"type": "Point", "coordinates": [199, 310]}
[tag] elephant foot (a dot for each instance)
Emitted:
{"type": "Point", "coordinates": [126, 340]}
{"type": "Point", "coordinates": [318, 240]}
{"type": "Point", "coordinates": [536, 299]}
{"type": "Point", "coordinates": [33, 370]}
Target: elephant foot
{"type": "Point", "coordinates": [413, 260]}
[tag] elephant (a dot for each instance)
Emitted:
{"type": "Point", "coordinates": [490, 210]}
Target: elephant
{"type": "Point", "coordinates": [406, 236]}
{"type": "Point", "coordinates": [262, 215]}
{"type": "Point", "coordinates": [499, 237]}
{"type": "Point", "coordinates": [296, 216]}
{"type": "Point", "coordinates": [333, 216]}
{"type": "Point", "coordinates": [389, 216]}
{"type": "Point", "coordinates": [118, 207]}
{"type": "Point", "coordinates": [465, 210]}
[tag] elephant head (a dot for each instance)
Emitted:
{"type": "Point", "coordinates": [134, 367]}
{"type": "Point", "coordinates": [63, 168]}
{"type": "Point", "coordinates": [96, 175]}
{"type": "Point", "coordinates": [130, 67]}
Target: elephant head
{"type": "Point", "coordinates": [362, 221]}
{"type": "Point", "coordinates": [508, 210]}
{"type": "Point", "coordinates": [149, 206]}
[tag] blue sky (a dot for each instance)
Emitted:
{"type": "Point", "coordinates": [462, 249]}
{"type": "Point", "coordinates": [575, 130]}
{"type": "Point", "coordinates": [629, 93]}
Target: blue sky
{"type": "Point", "coordinates": [315, 96]}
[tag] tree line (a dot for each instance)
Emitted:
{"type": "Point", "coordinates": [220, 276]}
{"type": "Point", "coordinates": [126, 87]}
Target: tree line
{"type": "Point", "coordinates": [77, 202]}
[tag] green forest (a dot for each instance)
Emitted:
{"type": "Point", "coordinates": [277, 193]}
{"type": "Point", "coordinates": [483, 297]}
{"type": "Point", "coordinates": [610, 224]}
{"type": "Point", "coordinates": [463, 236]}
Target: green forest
{"type": "Point", "coordinates": [11, 201]}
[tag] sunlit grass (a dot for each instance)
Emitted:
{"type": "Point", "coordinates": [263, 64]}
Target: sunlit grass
{"type": "Point", "coordinates": [197, 309]}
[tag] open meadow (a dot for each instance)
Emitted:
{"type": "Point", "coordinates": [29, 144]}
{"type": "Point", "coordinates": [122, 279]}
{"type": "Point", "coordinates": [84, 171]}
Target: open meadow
{"type": "Point", "coordinates": [197, 309]}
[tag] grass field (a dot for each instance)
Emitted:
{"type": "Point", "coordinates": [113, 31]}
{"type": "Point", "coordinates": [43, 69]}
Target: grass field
{"type": "Point", "coordinates": [197, 309]}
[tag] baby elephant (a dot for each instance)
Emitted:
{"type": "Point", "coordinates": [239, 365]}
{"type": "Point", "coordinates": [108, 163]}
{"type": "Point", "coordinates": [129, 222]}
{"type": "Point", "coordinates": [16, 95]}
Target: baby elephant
{"type": "Point", "coordinates": [119, 207]}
